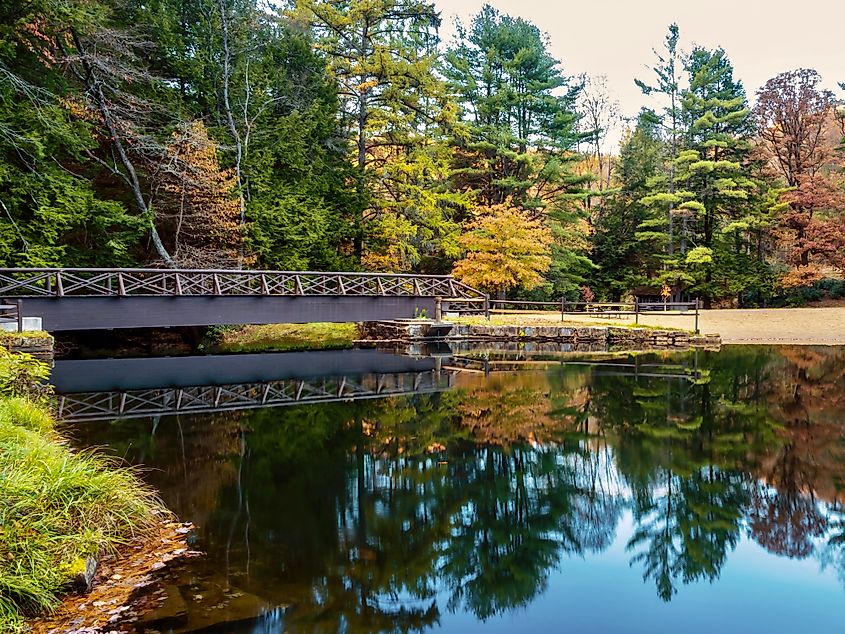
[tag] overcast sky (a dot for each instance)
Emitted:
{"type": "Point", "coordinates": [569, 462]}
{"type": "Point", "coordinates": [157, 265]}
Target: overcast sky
{"type": "Point", "coordinates": [616, 37]}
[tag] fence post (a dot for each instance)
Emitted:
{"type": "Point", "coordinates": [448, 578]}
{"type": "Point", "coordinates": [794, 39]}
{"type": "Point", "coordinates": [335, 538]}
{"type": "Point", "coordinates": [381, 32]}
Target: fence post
{"type": "Point", "coordinates": [487, 307]}
{"type": "Point", "coordinates": [563, 308]}
{"type": "Point", "coordinates": [636, 311]}
{"type": "Point", "coordinates": [438, 309]}
{"type": "Point", "coordinates": [20, 315]}
{"type": "Point", "coordinates": [697, 306]}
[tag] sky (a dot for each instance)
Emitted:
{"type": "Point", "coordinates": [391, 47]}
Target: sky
{"type": "Point", "coordinates": [616, 37]}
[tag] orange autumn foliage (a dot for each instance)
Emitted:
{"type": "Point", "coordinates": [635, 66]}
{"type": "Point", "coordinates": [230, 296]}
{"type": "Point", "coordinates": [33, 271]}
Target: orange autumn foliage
{"type": "Point", "coordinates": [199, 202]}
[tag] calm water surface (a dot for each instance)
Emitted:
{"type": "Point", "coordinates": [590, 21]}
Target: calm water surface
{"type": "Point", "coordinates": [662, 493]}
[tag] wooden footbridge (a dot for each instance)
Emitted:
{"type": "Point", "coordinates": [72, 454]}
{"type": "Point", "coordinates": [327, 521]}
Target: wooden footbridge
{"type": "Point", "coordinates": [93, 299]}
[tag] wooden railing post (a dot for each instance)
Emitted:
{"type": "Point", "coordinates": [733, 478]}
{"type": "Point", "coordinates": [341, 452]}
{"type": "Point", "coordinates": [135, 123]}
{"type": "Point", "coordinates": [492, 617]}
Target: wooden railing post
{"type": "Point", "coordinates": [697, 306]}
{"type": "Point", "coordinates": [487, 307]}
{"type": "Point", "coordinates": [636, 310]}
{"type": "Point", "coordinates": [563, 308]}
{"type": "Point", "coordinates": [20, 314]}
{"type": "Point", "coordinates": [438, 309]}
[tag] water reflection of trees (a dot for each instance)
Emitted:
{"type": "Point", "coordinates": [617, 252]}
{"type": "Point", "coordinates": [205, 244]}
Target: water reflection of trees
{"type": "Point", "coordinates": [379, 515]}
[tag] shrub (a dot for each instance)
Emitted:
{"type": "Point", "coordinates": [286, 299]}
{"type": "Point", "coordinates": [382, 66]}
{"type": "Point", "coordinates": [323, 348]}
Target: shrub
{"type": "Point", "coordinates": [22, 374]}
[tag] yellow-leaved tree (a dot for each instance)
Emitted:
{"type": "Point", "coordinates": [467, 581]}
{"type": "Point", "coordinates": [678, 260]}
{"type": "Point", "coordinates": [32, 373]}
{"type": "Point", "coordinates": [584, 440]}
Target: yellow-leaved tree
{"type": "Point", "coordinates": [505, 249]}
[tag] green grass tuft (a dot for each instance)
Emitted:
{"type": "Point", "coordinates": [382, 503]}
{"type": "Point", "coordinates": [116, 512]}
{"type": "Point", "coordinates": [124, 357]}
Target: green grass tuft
{"type": "Point", "coordinates": [56, 507]}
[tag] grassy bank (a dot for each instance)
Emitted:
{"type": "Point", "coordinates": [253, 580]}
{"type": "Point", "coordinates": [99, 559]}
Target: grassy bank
{"type": "Point", "coordinates": [286, 338]}
{"type": "Point", "coordinates": [57, 506]}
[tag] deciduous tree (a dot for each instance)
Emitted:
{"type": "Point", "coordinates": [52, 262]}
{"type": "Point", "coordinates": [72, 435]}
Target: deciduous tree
{"type": "Point", "coordinates": [506, 249]}
{"type": "Point", "coordinates": [205, 210]}
{"type": "Point", "coordinates": [795, 116]}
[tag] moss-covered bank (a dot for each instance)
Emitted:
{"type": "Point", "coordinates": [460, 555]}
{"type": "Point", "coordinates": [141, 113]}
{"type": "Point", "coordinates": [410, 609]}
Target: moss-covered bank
{"type": "Point", "coordinates": [285, 337]}
{"type": "Point", "coordinates": [58, 507]}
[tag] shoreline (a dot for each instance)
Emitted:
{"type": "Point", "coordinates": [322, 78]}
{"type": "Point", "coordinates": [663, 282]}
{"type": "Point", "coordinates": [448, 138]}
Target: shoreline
{"type": "Point", "coordinates": [82, 535]}
{"type": "Point", "coordinates": [127, 585]}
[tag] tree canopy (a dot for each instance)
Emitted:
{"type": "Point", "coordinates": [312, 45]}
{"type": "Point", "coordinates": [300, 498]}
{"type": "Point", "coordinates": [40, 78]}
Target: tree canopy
{"type": "Point", "coordinates": [321, 135]}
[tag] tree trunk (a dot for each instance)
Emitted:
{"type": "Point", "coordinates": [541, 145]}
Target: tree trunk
{"type": "Point", "coordinates": [130, 175]}
{"type": "Point", "coordinates": [230, 121]}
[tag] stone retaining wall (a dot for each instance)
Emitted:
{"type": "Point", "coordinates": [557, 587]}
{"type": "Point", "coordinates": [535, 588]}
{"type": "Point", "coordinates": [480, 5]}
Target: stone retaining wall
{"type": "Point", "coordinates": [40, 346]}
{"type": "Point", "coordinates": [608, 336]}
{"type": "Point", "coordinates": [403, 330]}
{"type": "Point", "coordinates": [582, 337]}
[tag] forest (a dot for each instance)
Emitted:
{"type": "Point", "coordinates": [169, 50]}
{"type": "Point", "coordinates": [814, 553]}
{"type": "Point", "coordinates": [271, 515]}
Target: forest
{"type": "Point", "coordinates": [345, 135]}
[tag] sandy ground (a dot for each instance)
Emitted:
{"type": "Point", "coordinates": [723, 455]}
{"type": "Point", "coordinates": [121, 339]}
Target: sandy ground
{"type": "Point", "coordinates": [822, 326]}
{"type": "Point", "coordinates": [810, 326]}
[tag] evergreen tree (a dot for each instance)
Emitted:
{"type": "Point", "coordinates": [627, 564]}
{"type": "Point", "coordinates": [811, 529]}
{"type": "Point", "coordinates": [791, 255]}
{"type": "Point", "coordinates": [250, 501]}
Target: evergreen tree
{"type": "Point", "coordinates": [710, 180]}
{"type": "Point", "coordinates": [50, 211]}
{"type": "Point", "coordinates": [667, 71]}
{"type": "Point", "coordinates": [519, 128]}
{"type": "Point", "coordinates": [622, 264]}
{"type": "Point", "coordinates": [518, 134]}
{"type": "Point", "coordinates": [393, 106]}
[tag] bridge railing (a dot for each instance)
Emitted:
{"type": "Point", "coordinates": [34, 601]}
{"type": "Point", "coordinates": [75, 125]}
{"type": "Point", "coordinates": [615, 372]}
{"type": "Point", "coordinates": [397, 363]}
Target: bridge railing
{"type": "Point", "coordinates": [64, 282]}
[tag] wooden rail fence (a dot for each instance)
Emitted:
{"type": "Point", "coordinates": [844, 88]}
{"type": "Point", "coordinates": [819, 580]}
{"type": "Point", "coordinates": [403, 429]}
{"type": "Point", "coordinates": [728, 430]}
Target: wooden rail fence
{"type": "Point", "coordinates": [592, 309]}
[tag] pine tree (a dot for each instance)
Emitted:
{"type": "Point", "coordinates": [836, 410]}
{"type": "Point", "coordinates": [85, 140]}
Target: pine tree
{"type": "Point", "coordinates": [622, 263]}
{"type": "Point", "coordinates": [517, 137]}
{"type": "Point", "coordinates": [519, 128]}
{"type": "Point", "coordinates": [667, 72]}
{"type": "Point", "coordinates": [710, 180]}
{"type": "Point", "coordinates": [714, 166]}
{"type": "Point", "coordinates": [382, 54]}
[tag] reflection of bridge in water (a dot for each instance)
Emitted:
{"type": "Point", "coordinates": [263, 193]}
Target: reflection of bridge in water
{"type": "Point", "coordinates": [108, 389]}
{"type": "Point", "coordinates": [103, 406]}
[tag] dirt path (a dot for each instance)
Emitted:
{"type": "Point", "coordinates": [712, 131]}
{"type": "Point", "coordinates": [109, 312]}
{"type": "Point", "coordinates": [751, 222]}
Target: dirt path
{"type": "Point", "coordinates": [810, 326]}
{"type": "Point", "coordinates": [823, 326]}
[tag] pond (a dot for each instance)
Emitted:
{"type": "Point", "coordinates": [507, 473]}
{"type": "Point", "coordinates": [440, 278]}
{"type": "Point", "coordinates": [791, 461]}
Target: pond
{"type": "Point", "coordinates": [661, 492]}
